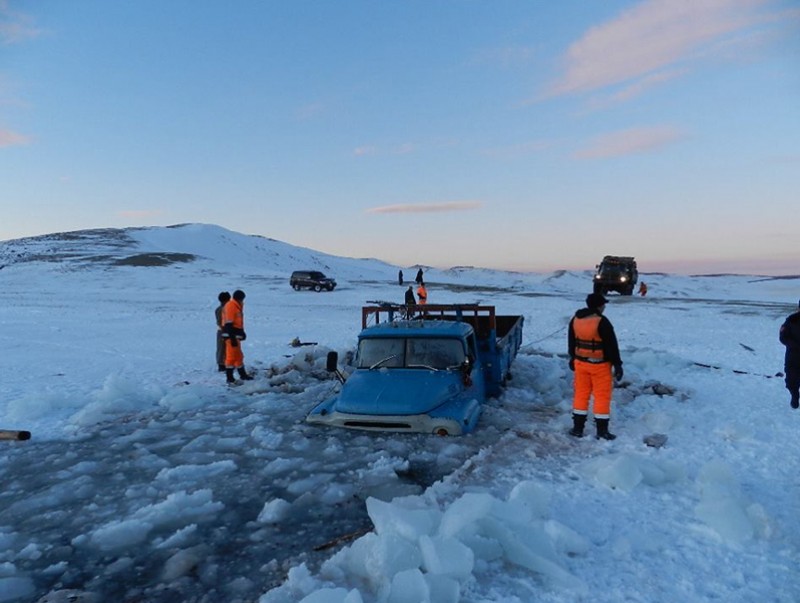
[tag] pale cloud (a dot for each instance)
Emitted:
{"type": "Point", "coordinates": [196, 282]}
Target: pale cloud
{"type": "Point", "coordinates": [365, 150]}
{"type": "Point", "coordinates": [15, 27]}
{"type": "Point", "coordinates": [518, 150]}
{"type": "Point", "coordinates": [422, 208]}
{"type": "Point", "coordinates": [636, 89]}
{"type": "Point", "coordinates": [12, 139]}
{"type": "Point", "coordinates": [650, 37]}
{"type": "Point", "coordinates": [629, 142]}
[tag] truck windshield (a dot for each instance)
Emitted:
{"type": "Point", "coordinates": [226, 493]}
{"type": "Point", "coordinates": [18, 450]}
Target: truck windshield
{"type": "Point", "coordinates": [435, 353]}
{"type": "Point", "coordinates": [612, 270]}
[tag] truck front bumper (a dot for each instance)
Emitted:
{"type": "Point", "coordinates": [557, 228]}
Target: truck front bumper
{"type": "Point", "coordinates": [447, 424]}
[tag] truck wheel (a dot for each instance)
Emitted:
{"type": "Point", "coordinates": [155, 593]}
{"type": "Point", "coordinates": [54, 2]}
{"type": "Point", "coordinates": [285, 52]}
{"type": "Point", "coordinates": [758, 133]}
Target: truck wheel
{"type": "Point", "coordinates": [296, 287]}
{"type": "Point", "coordinates": [317, 288]}
{"type": "Point", "coordinates": [330, 287]}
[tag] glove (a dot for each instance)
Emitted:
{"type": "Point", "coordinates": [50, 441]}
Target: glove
{"type": "Point", "coordinates": [234, 343]}
{"type": "Point", "coordinates": [243, 336]}
{"type": "Point", "coordinates": [572, 364]}
{"type": "Point", "coordinates": [618, 372]}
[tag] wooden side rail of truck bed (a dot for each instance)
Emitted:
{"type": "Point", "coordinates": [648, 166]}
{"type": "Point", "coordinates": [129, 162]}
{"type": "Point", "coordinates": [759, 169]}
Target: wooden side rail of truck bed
{"type": "Point", "coordinates": [472, 313]}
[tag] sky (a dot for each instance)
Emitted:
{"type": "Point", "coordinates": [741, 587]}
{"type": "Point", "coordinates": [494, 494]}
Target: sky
{"type": "Point", "coordinates": [442, 134]}
{"type": "Point", "coordinates": [147, 478]}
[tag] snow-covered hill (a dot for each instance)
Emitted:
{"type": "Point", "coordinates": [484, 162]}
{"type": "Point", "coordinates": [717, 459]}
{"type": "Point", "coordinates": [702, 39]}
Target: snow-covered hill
{"type": "Point", "coordinates": [148, 479]}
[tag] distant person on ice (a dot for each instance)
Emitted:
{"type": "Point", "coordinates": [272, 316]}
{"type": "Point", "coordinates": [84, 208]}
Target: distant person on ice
{"type": "Point", "coordinates": [400, 278]}
{"type": "Point", "coordinates": [223, 298]}
{"type": "Point", "coordinates": [642, 288]}
{"type": "Point", "coordinates": [233, 332]}
{"type": "Point", "coordinates": [593, 351]}
{"type": "Point", "coordinates": [790, 337]}
{"type": "Point", "coordinates": [418, 278]}
{"type": "Point", "coordinates": [422, 294]}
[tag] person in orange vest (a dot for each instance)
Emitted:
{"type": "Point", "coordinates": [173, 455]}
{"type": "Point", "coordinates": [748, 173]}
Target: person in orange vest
{"type": "Point", "coordinates": [642, 288]}
{"type": "Point", "coordinates": [233, 332]}
{"type": "Point", "coordinates": [422, 294]}
{"type": "Point", "coordinates": [223, 298]}
{"type": "Point", "coordinates": [593, 354]}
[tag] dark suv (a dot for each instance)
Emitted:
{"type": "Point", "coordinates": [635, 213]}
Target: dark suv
{"type": "Point", "coordinates": [311, 279]}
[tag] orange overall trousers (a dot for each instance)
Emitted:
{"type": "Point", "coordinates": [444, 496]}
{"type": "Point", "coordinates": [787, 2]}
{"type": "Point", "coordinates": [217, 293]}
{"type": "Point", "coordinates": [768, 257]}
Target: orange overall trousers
{"type": "Point", "coordinates": [592, 371]}
{"type": "Point", "coordinates": [232, 313]}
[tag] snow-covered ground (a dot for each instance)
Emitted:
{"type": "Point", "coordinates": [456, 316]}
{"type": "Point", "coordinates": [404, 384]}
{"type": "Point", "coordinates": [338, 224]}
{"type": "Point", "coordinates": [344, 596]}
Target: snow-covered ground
{"type": "Point", "coordinates": [148, 479]}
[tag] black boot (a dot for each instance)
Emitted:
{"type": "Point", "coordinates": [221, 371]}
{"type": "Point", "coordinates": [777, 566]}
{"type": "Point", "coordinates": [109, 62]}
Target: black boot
{"type": "Point", "coordinates": [795, 402]}
{"type": "Point", "coordinates": [243, 374]}
{"type": "Point", "coordinates": [602, 430]}
{"type": "Point", "coordinates": [221, 368]}
{"type": "Point", "coordinates": [578, 422]}
{"type": "Point", "coordinates": [229, 376]}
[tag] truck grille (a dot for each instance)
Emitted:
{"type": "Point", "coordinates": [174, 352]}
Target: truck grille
{"type": "Point", "coordinates": [377, 424]}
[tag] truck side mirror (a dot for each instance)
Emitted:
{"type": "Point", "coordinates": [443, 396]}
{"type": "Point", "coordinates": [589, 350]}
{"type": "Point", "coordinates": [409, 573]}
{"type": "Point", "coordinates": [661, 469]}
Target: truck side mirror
{"type": "Point", "coordinates": [332, 365]}
{"type": "Point", "coordinates": [466, 371]}
{"type": "Point", "coordinates": [333, 362]}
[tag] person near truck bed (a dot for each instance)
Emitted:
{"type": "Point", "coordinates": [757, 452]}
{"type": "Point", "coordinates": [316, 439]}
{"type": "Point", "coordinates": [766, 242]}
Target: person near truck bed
{"type": "Point", "coordinates": [593, 353]}
{"type": "Point", "coordinates": [233, 332]}
{"type": "Point", "coordinates": [223, 298]}
{"type": "Point", "coordinates": [790, 337]}
{"type": "Point", "coordinates": [410, 302]}
{"type": "Point", "coordinates": [422, 294]}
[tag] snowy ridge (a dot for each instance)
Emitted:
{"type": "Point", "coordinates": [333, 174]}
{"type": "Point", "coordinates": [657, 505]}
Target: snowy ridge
{"type": "Point", "coordinates": [148, 479]}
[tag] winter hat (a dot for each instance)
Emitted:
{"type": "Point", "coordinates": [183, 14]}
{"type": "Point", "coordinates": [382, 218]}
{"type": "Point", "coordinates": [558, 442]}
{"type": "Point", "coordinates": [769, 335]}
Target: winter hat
{"type": "Point", "coordinates": [238, 295]}
{"type": "Point", "coordinates": [224, 296]}
{"type": "Point", "coordinates": [595, 300]}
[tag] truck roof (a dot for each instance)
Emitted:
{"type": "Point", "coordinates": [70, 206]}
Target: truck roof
{"type": "Point", "coordinates": [618, 258]}
{"type": "Point", "coordinates": [418, 328]}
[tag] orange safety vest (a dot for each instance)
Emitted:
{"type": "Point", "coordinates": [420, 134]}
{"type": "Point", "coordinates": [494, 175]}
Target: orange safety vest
{"type": "Point", "coordinates": [422, 294]}
{"type": "Point", "coordinates": [588, 343]}
{"type": "Point", "coordinates": [232, 312]}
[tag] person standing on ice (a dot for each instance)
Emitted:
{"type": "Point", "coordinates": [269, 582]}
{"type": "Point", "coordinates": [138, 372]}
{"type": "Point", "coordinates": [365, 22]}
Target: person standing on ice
{"type": "Point", "coordinates": [223, 298]}
{"type": "Point", "coordinates": [233, 332]}
{"type": "Point", "coordinates": [593, 353]}
{"type": "Point", "coordinates": [422, 294]}
{"type": "Point", "coordinates": [410, 301]}
{"type": "Point", "coordinates": [790, 337]}
{"type": "Point", "coordinates": [400, 277]}
{"type": "Point", "coordinates": [418, 278]}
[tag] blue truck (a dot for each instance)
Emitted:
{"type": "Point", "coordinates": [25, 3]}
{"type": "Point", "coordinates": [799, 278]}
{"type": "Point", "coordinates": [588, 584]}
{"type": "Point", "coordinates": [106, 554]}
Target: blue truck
{"type": "Point", "coordinates": [427, 374]}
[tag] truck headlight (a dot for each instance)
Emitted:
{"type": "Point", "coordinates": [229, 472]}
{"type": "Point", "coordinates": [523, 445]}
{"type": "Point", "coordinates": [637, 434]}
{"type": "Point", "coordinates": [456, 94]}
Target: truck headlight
{"type": "Point", "coordinates": [623, 278]}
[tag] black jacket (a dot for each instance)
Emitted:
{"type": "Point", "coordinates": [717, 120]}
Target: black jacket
{"type": "Point", "coordinates": [410, 299]}
{"type": "Point", "coordinates": [790, 337]}
{"type": "Point", "coordinates": [606, 332]}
